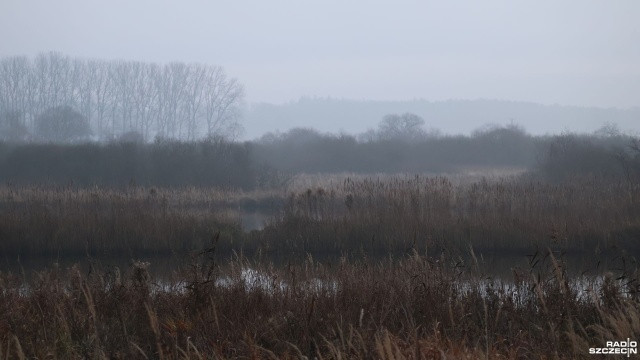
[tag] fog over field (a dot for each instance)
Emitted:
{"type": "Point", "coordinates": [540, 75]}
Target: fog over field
{"type": "Point", "coordinates": [409, 179]}
{"type": "Point", "coordinates": [449, 117]}
{"type": "Point", "coordinates": [573, 53]}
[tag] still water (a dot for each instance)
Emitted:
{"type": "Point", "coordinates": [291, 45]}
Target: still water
{"type": "Point", "coordinates": [490, 267]}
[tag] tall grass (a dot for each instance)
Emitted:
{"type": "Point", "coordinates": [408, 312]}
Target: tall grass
{"type": "Point", "coordinates": [412, 307]}
{"type": "Point", "coordinates": [44, 220]}
{"type": "Point", "coordinates": [374, 216]}
{"type": "Point", "coordinates": [506, 215]}
{"type": "Point", "coordinates": [410, 303]}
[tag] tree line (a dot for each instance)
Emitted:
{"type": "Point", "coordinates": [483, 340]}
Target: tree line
{"type": "Point", "coordinates": [176, 100]}
{"type": "Point", "coordinates": [401, 144]}
{"type": "Point", "coordinates": [271, 160]}
{"type": "Point", "coordinates": [206, 163]}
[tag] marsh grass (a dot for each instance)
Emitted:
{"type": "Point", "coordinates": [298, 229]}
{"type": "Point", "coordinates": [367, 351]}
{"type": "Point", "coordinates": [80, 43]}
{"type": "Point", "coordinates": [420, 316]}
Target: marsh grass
{"type": "Point", "coordinates": [509, 215]}
{"type": "Point", "coordinates": [416, 289]}
{"type": "Point", "coordinates": [411, 307]}
{"type": "Point", "coordinates": [49, 221]}
{"type": "Point", "coordinates": [374, 216]}
{"type": "Point", "coordinates": [462, 176]}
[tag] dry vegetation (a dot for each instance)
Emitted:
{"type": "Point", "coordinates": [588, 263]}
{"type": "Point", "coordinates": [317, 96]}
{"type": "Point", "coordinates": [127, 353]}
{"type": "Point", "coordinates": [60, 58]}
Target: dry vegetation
{"type": "Point", "coordinates": [506, 215]}
{"type": "Point", "coordinates": [409, 308]}
{"type": "Point", "coordinates": [405, 304]}
{"type": "Point", "coordinates": [372, 216]}
{"type": "Point", "coordinates": [51, 221]}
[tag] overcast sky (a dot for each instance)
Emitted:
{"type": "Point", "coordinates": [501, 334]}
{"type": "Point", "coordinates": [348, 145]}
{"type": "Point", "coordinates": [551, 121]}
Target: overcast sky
{"type": "Point", "coordinates": [571, 52]}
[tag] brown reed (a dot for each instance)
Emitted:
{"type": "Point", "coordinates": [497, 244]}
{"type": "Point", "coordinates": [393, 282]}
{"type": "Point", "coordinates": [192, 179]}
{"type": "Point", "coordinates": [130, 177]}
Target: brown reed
{"type": "Point", "coordinates": [412, 307]}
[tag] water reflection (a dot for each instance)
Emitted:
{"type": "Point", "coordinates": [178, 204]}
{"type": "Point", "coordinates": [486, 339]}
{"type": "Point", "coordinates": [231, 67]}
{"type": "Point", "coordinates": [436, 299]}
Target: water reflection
{"type": "Point", "coordinates": [512, 276]}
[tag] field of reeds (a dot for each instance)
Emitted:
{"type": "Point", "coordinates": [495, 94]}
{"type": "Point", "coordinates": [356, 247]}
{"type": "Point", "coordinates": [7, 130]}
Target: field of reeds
{"type": "Point", "coordinates": [384, 268]}
{"type": "Point", "coordinates": [507, 215]}
{"type": "Point", "coordinates": [66, 220]}
{"type": "Point", "coordinates": [376, 216]}
{"type": "Point", "coordinates": [412, 307]}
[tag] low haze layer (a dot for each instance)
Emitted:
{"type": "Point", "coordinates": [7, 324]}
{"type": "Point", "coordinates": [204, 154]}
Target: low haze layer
{"type": "Point", "coordinates": [580, 53]}
{"type": "Point", "coordinates": [449, 117]}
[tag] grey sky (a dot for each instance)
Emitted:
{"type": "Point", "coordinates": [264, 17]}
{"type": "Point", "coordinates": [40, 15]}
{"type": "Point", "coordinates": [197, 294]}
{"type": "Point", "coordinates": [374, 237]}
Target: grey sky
{"type": "Point", "coordinates": [573, 52]}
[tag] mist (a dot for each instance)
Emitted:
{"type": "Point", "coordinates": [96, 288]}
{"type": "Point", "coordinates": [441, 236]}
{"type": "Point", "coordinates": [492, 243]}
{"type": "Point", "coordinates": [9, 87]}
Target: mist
{"type": "Point", "coordinates": [577, 53]}
{"type": "Point", "coordinates": [453, 117]}
{"type": "Point", "coordinates": [319, 179]}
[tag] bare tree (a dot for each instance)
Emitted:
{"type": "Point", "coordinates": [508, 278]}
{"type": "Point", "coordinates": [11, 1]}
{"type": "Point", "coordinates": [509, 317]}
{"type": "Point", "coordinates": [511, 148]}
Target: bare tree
{"type": "Point", "coordinates": [223, 98]}
{"type": "Point", "coordinates": [175, 89]}
{"type": "Point", "coordinates": [122, 75]}
{"type": "Point", "coordinates": [99, 84]}
{"type": "Point", "coordinates": [14, 81]}
{"type": "Point", "coordinates": [145, 96]}
{"type": "Point", "coordinates": [54, 81]}
{"type": "Point", "coordinates": [175, 100]}
{"type": "Point", "coordinates": [407, 126]}
{"type": "Point", "coordinates": [57, 79]}
{"type": "Point", "coordinates": [84, 87]}
{"type": "Point", "coordinates": [194, 99]}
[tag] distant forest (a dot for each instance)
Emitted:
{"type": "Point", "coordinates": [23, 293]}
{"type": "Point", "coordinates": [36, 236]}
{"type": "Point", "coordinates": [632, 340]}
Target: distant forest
{"type": "Point", "coordinates": [113, 123]}
{"type": "Point", "coordinates": [56, 98]}
{"type": "Point", "coordinates": [449, 117]}
{"type": "Point", "coordinates": [270, 161]}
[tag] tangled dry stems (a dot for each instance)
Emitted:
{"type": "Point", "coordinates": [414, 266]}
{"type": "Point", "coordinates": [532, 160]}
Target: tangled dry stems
{"type": "Point", "coordinates": [408, 308]}
{"type": "Point", "coordinates": [415, 305]}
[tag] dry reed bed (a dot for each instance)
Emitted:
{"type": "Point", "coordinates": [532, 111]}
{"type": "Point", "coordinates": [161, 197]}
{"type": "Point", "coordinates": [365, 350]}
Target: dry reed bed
{"type": "Point", "coordinates": [44, 220]}
{"type": "Point", "coordinates": [511, 215]}
{"type": "Point", "coordinates": [208, 198]}
{"type": "Point", "coordinates": [394, 214]}
{"type": "Point", "coordinates": [409, 308]}
{"type": "Point", "coordinates": [464, 176]}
